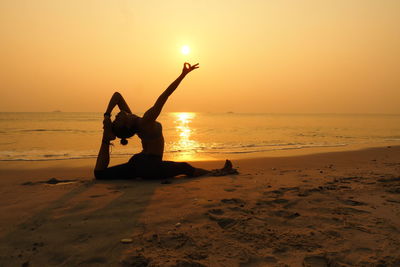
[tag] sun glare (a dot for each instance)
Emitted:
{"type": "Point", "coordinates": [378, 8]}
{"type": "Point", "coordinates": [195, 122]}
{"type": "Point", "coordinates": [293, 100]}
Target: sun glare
{"type": "Point", "coordinates": [185, 146]}
{"type": "Point", "coordinates": [185, 50]}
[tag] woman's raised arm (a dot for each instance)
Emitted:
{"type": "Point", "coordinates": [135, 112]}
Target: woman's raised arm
{"type": "Point", "coordinates": [117, 100]}
{"type": "Point", "coordinates": [155, 110]}
{"type": "Point", "coordinates": [103, 158]}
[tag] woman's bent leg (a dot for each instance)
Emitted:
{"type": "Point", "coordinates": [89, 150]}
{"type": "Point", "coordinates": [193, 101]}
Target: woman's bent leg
{"type": "Point", "coordinates": [122, 171]}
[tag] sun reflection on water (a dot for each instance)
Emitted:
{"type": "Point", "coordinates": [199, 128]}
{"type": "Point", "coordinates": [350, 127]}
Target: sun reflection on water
{"type": "Point", "coordinates": [184, 147]}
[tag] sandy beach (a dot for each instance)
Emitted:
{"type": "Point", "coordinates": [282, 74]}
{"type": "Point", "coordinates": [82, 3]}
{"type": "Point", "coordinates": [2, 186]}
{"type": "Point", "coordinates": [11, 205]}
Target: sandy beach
{"type": "Point", "coordinates": [325, 209]}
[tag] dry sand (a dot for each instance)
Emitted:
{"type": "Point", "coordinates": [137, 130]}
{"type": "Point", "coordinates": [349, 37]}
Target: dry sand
{"type": "Point", "coordinates": [330, 209]}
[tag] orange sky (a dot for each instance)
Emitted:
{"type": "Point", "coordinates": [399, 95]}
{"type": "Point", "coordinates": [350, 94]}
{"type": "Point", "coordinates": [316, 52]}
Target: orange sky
{"type": "Point", "coordinates": [303, 56]}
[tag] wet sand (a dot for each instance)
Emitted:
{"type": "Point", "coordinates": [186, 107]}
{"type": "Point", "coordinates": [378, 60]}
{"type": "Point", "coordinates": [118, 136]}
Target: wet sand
{"type": "Point", "coordinates": [328, 209]}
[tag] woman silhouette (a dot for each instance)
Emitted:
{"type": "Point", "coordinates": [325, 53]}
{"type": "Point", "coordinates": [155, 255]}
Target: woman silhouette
{"type": "Point", "coordinates": [148, 163]}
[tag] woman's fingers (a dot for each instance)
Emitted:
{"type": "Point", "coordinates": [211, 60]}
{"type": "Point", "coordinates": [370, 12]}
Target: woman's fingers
{"type": "Point", "coordinates": [187, 67]}
{"type": "Point", "coordinates": [195, 66]}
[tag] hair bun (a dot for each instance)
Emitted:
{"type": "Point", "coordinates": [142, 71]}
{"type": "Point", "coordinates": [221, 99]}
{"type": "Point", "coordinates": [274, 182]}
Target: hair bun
{"type": "Point", "coordinates": [124, 141]}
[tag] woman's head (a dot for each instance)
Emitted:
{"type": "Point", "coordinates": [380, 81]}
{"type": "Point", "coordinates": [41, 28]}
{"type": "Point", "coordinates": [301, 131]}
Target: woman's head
{"type": "Point", "coordinates": [124, 126]}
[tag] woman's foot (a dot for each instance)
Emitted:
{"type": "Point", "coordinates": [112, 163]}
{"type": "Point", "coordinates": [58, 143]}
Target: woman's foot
{"type": "Point", "coordinates": [226, 170]}
{"type": "Point", "coordinates": [228, 165]}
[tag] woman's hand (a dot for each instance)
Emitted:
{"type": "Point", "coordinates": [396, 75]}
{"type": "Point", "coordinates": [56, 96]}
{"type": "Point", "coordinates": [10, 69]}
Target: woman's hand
{"type": "Point", "coordinates": [108, 135]}
{"type": "Point", "coordinates": [188, 68]}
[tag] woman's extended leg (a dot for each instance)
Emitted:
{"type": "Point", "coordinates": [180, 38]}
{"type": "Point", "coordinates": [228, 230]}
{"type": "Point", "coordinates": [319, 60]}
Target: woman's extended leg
{"type": "Point", "coordinates": [171, 169]}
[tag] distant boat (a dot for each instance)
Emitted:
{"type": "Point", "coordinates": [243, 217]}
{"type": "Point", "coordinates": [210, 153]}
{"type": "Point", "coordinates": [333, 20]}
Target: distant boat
{"type": "Point", "coordinates": [230, 112]}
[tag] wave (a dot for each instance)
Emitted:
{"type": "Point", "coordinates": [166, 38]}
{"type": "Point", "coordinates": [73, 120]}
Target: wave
{"type": "Point", "coordinates": [249, 148]}
{"type": "Point", "coordinates": [54, 158]}
{"type": "Point", "coordinates": [272, 149]}
{"type": "Point", "coordinates": [47, 156]}
{"type": "Point", "coordinates": [54, 130]}
{"type": "Point", "coordinates": [69, 158]}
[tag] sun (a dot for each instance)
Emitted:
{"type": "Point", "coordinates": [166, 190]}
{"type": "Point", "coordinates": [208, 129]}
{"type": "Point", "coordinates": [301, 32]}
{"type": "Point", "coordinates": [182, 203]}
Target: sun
{"type": "Point", "coordinates": [185, 49]}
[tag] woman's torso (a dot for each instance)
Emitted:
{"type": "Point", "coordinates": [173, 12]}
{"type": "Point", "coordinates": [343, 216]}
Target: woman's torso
{"type": "Point", "coordinates": [152, 138]}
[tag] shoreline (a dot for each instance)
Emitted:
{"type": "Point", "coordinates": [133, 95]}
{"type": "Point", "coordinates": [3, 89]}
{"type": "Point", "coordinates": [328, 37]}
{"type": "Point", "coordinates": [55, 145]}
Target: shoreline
{"type": "Point", "coordinates": [210, 156]}
{"type": "Point", "coordinates": [337, 207]}
{"type": "Point", "coordinates": [89, 162]}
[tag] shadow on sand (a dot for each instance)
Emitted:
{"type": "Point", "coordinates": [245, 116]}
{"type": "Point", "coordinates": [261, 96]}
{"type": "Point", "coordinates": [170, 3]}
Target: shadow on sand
{"type": "Point", "coordinates": [83, 226]}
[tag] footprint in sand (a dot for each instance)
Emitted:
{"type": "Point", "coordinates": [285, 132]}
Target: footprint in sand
{"type": "Point", "coordinates": [216, 211]}
{"type": "Point", "coordinates": [135, 260]}
{"type": "Point", "coordinates": [223, 222]}
{"type": "Point", "coordinates": [230, 189]}
{"type": "Point", "coordinates": [226, 222]}
{"type": "Point", "coordinates": [96, 196]}
{"type": "Point", "coordinates": [257, 262]}
{"type": "Point", "coordinates": [286, 214]}
{"type": "Point", "coordinates": [197, 255]}
{"type": "Point", "coordinates": [353, 202]}
{"type": "Point", "coordinates": [394, 190]}
{"type": "Point", "coordinates": [348, 211]}
{"type": "Point", "coordinates": [272, 202]}
{"type": "Point", "coordinates": [183, 263]}
{"type": "Point", "coordinates": [236, 201]}
{"type": "Point", "coordinates": [274, 193]}
{"type": "Point", "coordinates": [393, 200]}
{"type": "Point", "coordinates": [304, 193]}
{"type": "Point", "coordinates": [315, 261]}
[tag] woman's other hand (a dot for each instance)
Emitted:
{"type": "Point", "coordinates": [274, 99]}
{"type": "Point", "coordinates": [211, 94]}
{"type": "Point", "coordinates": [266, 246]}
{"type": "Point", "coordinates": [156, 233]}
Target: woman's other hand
{"type": "Point", "coordinates": [188, 68]}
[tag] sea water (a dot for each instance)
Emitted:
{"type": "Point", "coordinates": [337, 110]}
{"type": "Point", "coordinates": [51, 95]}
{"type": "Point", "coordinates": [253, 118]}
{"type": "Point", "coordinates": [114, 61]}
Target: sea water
{"type": "Point", "coordinates": [192, 136]}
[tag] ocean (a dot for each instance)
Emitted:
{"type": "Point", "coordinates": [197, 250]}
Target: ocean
{"type": "Point", "coordinates": [192, 136]}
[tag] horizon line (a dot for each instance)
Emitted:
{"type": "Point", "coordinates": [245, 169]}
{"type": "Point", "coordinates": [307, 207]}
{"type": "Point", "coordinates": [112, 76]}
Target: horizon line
{"type": "Point", "coordinates": [224, 112]}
